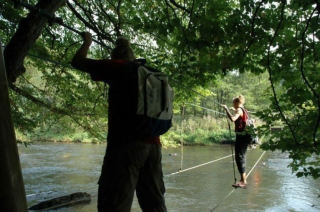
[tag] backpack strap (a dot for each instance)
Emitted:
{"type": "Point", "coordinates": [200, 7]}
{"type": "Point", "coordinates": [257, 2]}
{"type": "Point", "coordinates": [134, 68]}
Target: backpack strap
{"type": "Point", "coordinates": [245, 111]}
{"type": "Point", "coordinates": [140, 61]}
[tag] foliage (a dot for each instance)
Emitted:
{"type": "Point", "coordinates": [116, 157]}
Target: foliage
{"type": "Point", "coordinates": [202, 130]}
{"type": "Point", "coordinates": [198, 43]}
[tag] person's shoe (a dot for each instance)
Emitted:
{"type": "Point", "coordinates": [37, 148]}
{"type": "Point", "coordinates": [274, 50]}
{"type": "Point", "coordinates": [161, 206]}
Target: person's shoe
{"type": "Point", "coordinates": [243, 185]}
{"type": "Point", "coordinates": [240, 185]}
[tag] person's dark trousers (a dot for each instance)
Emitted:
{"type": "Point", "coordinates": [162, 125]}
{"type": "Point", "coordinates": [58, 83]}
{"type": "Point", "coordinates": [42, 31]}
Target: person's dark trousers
{"type": "Point", "coordinates": [128, 167]}
{"type": "Point", "coordinates": [241, 146]}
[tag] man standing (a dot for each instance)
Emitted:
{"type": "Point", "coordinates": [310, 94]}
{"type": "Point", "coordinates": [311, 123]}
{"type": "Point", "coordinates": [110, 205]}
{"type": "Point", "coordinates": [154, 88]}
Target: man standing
{"type": "Point", "coordinates": [131, 162]}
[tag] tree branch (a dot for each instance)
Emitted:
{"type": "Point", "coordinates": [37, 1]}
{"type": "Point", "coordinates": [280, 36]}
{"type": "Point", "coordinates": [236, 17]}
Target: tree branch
{"type": "Point", "coordinates": [54, 110]}
{"type": "Point", "coordinates": [304, 76]}
{"type": "Point", "coordinates": [179, 6]}
{"type": "Point", "coordinates": [87, 24]}
{"type": "Point", "coordinates": [270, 77]}
{"type": "Point", "coordinates": [253, 36]}
{"type": "Point", "coordinates": [118, 27]}
{"type": "Point", "coordinates": [26, 35]}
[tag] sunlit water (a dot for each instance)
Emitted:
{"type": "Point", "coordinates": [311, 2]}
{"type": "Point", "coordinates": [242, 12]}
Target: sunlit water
{"type": "Point", "coordinates": [204, 184]}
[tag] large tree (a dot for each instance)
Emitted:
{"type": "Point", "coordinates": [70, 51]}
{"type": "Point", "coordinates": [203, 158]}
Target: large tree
{"type": "Point", "coordinates": [193, 41]}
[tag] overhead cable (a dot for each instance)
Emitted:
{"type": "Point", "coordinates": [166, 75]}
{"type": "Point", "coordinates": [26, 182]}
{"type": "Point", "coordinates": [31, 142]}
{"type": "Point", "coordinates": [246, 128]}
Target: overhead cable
{"type": "Point", "coordinates": [204, 108]}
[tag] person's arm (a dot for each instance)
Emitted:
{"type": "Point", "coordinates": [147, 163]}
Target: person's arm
{"type": "Point", "coordinates": [79, 59]}
{"type": "Point", "coordinates": [233, 117]}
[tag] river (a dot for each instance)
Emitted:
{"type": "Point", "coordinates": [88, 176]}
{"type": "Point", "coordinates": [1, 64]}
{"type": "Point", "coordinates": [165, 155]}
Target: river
{"type": "Point", "coordinates": [203, 184]}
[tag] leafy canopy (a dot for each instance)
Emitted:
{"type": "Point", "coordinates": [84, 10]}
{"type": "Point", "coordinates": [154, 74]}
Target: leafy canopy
{"type": "Point", "coordinates": [195, 42]}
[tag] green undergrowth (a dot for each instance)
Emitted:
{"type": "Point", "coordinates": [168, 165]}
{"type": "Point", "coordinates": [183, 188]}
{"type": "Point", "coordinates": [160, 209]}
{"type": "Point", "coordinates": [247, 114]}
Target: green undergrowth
{"type": "Point", "coordinates": [192, 131]}
{"type": "Point", "coordinates": [198, 131]}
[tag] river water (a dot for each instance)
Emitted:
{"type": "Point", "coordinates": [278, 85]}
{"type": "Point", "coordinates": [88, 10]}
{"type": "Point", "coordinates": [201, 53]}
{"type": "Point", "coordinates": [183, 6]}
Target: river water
{"type": "Point", "coordinates": [203, 184]}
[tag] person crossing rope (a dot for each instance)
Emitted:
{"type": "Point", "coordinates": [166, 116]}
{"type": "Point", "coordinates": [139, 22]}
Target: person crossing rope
{"type": "Point", "coordinates": [239, 118]}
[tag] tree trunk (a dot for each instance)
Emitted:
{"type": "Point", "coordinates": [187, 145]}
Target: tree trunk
{"type": "Point", "coordinates": [26, 35]}
{"type": "Point", "coordinates": [12, 193]}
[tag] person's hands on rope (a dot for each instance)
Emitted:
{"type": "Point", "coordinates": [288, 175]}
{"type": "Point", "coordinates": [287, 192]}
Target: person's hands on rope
{"type": "Point", "coordinates": [225, 107]}
{"type": "Point", "coordinates": [227, 111]}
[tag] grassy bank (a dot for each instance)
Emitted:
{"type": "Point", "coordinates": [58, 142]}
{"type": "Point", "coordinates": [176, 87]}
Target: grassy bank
{"type": "Point", "coordinates": [198, 131]}
{"type": "Point", "coordinates": [192, 131]}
